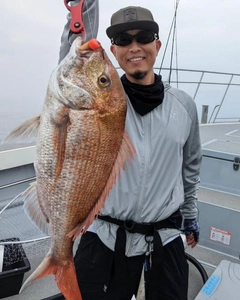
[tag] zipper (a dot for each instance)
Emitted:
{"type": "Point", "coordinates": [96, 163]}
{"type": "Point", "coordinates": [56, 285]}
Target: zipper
{"type": "Point", "coordinates": [146, 162]}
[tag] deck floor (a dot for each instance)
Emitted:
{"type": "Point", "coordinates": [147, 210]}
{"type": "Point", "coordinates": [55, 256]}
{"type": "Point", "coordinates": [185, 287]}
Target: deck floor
{"type": "Point", "coordinates": [221, 137]}
{"type": "Point", "coordinates": [224, 138]}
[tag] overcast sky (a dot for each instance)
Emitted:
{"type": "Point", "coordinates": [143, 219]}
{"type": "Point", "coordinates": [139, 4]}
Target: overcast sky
{"type": "Point", "coordinates": [30, 31]}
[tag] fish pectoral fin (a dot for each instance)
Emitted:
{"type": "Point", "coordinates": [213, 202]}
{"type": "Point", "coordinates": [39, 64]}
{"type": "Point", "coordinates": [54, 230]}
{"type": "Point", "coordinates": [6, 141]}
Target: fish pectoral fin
{"type": "Point", "coordinates": [25, 132]}
{"type": "Point", "coordinates": [126, 152]}
{"type": "Point", "coordinates": [65, 276]}
{"type": "Point", "coordinates": [34, 210]}
{"type": "Point", "coordinates": [78, 230]}
{"type": "Point", "coordinates": [60, 137]}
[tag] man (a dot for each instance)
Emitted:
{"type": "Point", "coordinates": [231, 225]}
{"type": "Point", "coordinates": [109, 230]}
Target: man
{"type": "Point", "coordinates": [141, 219]}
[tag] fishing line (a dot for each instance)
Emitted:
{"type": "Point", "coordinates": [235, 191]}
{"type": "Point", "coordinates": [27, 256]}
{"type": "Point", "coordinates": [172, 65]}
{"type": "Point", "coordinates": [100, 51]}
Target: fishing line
{"type": "Point", "coordinates": [176, 59]}
{"type": "Point", "coordinates": [169, 35]}
{"type": "Point", "coordinates": [5, 207]}
{"type": "Point", "coordinates": [173, 41]}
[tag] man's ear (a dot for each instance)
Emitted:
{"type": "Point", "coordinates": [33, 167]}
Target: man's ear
{"type": "Point", "coordinates": [113, 50]}
{"type": "Point", "coordinates": [158, 45]}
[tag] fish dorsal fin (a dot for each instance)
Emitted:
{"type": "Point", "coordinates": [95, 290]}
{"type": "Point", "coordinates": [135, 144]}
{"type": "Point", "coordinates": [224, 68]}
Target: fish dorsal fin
{"type": "Point", "coordinates": [35, 212]}
{"type": "Point", "coordinates": [25, 132]}
{"type": "Point", "coordinates": [126, 152]}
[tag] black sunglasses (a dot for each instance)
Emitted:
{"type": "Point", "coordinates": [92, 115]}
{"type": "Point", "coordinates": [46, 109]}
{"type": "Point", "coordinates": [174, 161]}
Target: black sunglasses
{"type": "Point", "coordinates": [142, 37]}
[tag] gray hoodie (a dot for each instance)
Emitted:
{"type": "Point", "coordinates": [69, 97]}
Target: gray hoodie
{"type": "Point", "coordinates": [164, 175]}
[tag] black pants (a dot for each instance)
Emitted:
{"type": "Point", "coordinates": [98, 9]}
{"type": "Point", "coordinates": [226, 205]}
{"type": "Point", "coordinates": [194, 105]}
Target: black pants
{"type": "Point", "coordinates": [97, 279]}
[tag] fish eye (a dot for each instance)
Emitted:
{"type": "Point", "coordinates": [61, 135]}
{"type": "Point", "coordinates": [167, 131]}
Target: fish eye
{"type": "Point", "coordinates": [103, 80]}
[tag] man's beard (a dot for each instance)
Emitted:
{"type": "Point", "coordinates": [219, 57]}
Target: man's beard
{"type": "Point", "coordinates": [138, 75]}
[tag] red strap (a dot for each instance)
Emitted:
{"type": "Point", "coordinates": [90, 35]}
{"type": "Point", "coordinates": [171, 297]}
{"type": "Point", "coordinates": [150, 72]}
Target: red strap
{"type": "Point", "coordinates": [76, 25]}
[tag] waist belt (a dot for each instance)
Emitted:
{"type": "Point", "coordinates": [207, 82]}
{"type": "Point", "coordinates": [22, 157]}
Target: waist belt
{"type": "Point", "coordinates": [147, 229]}
{"type": "Point", "coordinates": [174, 221]}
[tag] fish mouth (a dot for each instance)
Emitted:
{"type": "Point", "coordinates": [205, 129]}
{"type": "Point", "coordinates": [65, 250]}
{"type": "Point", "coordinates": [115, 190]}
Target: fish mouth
{"type": "Point", "coordinates": [84, 52]}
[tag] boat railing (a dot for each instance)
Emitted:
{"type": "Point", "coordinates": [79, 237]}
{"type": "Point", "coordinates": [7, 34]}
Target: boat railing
{"type": "Point", "coordinates": [223, 87]}
{"type": "Point", "coordinates": [215, 92]}
{"type": "Point", "coordinates": [17, 183]}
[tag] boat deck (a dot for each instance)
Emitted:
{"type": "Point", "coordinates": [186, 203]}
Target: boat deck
{"type": "Point", "coordinates": [217, 138]}
{"type": "Point", "coordinates": [221, 137]}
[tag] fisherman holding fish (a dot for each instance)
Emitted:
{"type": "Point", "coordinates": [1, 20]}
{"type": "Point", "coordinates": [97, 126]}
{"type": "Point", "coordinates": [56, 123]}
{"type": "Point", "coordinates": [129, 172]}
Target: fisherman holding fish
{"type": "Point", "coordinates": [154, 198]}
{"type": "Point", "coordinates": [117, 160]}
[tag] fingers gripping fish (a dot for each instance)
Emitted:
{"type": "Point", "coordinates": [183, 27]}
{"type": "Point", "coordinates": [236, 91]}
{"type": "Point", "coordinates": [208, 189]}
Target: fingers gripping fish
{"type": "Point", "coordinates": [81, 148]}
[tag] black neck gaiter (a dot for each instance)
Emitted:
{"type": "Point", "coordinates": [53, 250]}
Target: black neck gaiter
{"type": "Point", "coordinates": [144, 98]}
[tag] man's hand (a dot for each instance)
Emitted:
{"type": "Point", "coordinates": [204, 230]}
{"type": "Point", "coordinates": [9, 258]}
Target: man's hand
{"type": "Point", "coordinates": [191, 229]}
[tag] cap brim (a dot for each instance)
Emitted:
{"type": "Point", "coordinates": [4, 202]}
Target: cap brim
{"type": "Point", "coordinates": [118, 28]}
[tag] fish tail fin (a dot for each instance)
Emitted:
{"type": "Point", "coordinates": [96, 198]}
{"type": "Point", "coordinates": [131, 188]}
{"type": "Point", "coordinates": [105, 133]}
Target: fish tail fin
{"type": "Point", "coordinates": [67, 283]}
{"type": "Point", "coordinates": [65, 277]}
{"type": "Point", "coordinates": [45, 268]}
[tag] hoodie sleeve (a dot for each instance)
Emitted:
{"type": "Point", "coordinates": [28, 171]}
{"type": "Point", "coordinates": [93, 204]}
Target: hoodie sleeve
{"type": "Point", "coordinates": [91, 23]}
{"type": "Point", "coordinates": [192, 157]}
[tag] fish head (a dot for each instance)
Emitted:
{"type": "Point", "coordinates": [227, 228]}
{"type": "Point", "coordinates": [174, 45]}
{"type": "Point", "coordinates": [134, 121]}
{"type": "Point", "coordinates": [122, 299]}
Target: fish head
{"type": "Point", "coordinates": [87, 80]}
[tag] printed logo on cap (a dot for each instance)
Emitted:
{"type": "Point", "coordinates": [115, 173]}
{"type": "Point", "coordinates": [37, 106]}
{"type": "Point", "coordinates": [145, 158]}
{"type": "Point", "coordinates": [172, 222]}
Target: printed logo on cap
{"type": "Point", "coordinates": [130, 15]}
